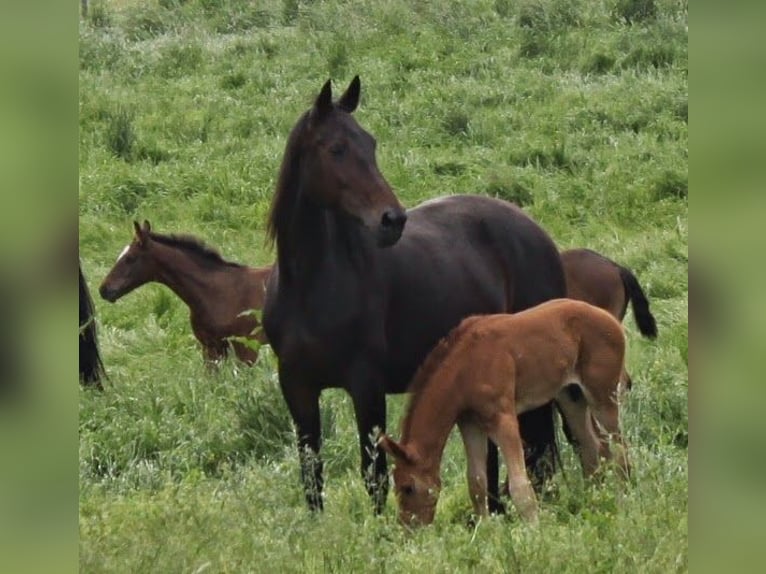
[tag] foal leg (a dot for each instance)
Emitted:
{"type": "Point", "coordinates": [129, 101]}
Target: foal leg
{"type": "Point", "coordinates": [607, 414]}
{"type": "Point", "coordinates": [302, 400]}
{"type": "Point", "coordinates": [475, 443]}
{"type": "Point", "coordinates": [506, 436]}
{"type": "Point", "coordinates": [574, 409]}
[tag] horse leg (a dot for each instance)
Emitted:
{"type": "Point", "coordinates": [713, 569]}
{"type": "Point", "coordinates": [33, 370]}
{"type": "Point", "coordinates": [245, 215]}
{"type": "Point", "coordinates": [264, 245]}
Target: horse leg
{"type": "Point", "coordinates": [607, 414]}
{"type": "Point", "coordinates": [245, 354]}
{"type": "Point", "coordinates": [506, 436]}
{"type": "Point", "coordinates": [370, 410]}
{"type": "Point", "coordinates": [496, 505]}
{"type": "Point", "coordinates": [475, 442]}
{"type": "Point", "coordinates": [539, 438]}
{"type": "Point", "coordinates": [574, 409]}
{"type": "Point", "coordinates": [303, 402]}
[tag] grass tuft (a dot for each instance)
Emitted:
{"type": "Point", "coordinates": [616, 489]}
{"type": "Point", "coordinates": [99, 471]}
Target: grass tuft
{"type": "Point", "coordinates": [120, 135]}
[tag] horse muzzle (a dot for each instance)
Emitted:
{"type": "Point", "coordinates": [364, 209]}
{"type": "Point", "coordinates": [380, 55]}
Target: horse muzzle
{"type": "Point", "coordinates": [108, 294]}
{"type": "Point", "coordinates": [391, 226]}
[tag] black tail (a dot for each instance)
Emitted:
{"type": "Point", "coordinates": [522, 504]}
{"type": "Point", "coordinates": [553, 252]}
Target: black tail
{"type": "Point", "coordinates": [91, 367]}
{"type": "Point", "coordinates": [644, 318]}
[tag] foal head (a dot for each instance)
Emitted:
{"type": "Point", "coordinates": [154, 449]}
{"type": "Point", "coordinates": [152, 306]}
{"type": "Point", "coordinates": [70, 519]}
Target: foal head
{"type": "Point", "coordinates": [133, 267]}
{"type": "Point", "coordinates": [416, 485]}
{"type": "Point", "coordinates": [331, 158]}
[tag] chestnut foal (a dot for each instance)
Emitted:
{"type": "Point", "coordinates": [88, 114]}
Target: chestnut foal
{"type": "Point", "coordinates": [490, 369]}
{"type": "Point", "coordinates": [216, 291]}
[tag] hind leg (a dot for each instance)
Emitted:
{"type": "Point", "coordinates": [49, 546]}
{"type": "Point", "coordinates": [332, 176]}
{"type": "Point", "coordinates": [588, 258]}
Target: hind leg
{"type": "Point", "coordinates": [506, 436]}
{"type": "Point", "coordinates": [607, 415]}
{"type": "Point", "coordinates": [475, 443]}
{"type": "Point", "coordinates": [574, 408]}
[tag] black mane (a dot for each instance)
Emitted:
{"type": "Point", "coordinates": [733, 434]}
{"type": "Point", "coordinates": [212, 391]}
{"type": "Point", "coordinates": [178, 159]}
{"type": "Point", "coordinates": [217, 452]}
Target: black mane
{"type": "Point", "coordinates": [285, 193]}
{"type": "Point", "coordinates": [194, 245]}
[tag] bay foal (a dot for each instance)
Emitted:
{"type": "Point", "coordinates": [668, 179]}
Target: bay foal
{"type": "Point", "coordinates": [216, 291]}
{"type": "Point", "coordinates": [596, 279]}
{"type": "Point", "coordinates": [490, 369]}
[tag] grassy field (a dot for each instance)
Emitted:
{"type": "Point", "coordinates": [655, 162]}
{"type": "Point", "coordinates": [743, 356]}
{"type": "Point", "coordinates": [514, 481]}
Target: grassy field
{"type": "Point", "coordinates": [575, 109]}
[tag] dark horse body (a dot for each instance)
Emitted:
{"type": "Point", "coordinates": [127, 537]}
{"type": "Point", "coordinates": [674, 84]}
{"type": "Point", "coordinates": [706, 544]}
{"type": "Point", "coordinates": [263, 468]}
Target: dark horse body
{"type": "Point", "coordinates": [91, 367]}
{"type": "Point", "coordinates": [355, 303]}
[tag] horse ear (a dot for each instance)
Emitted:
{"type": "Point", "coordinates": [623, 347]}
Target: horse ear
{"type": "Point", "coordinates": [390, 446]}
{"type": "Point", "coordinates": [350, 98]}
{"type": "Point", "coordinates": [147, 226]}
{"type": "Point", "coordinates": [323, 103]}
{"type": "Point", "coordinates": [141, 232]}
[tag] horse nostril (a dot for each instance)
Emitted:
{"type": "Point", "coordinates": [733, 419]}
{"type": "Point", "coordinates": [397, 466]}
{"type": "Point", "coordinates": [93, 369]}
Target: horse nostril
{"type": "Point", "coordinates": [393, 218]}
{"type": "Point", "coordinates": [105, 292]}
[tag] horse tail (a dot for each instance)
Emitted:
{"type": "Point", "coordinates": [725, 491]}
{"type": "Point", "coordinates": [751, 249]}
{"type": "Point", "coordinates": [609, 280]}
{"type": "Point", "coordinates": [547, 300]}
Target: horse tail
{"type": "Point", "coordinates": [91, 366]}
{"type": "Point", "coordinates": [644, 318]}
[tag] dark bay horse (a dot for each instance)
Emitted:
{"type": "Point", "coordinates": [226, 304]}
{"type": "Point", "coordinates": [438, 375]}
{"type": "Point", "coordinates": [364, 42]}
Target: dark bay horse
{"type": "Point", "coordinates": [91, 366]}
{"type": "Point", "coordinates": [215, 290]}
{"type": "Point", "coordinates": [357, 298]}
{"type": "Point", "coordinates": [488, 370]}
{"type": "Point", "coordinates": [596, 279]}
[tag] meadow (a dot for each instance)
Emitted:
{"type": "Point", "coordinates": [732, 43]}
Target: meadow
{"type": "Point", "coordinates": [577, 110]}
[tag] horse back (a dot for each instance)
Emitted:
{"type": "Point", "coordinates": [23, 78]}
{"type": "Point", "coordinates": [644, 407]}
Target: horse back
{"type": "Point", "coordinates": [595, 279]}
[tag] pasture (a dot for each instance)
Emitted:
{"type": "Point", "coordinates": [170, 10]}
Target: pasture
{"type": "Point", "coordinates": [576, 110]}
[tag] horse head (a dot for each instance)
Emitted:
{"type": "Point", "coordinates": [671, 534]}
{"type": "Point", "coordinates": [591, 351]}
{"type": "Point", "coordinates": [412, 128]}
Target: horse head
{"type": "Point", "coordinates": [337, 168]}
{"type": "Point", "coordinates": [133, 267]}
{"type": "Point", "coordinates": [416, 484]}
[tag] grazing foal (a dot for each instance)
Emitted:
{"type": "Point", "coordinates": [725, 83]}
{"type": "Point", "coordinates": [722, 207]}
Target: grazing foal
{"type": "Point", "coordinates": [490, 369]}
{"type": "Point", "coordinates": [216, 291]}
{"type": "Point", "coordinates": [598, 280]}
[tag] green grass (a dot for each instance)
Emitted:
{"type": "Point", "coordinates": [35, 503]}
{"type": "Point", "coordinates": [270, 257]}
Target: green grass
{"type": "Point", "coordinates": [577, 111]}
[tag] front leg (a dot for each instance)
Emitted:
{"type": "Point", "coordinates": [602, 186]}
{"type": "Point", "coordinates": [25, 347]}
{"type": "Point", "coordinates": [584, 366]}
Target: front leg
{"type": "Point", "coordinates": [213, 355]}
{"type": "Point", "coordinates": [302, 398]}
{"type": "Point", "coordinates": [475, 442]}
{"type": "Point", "coordinates": [368, 395]}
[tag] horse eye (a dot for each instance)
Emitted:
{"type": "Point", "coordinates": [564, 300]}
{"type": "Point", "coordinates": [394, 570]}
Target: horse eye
{"type": "Point", "coordinates": [338, 149]}
{"type": "Point", "coordinates": [408, 490]}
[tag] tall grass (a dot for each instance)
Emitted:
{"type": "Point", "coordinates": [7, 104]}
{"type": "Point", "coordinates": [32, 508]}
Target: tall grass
{"type": "Point", "coordinates": [577, 111]}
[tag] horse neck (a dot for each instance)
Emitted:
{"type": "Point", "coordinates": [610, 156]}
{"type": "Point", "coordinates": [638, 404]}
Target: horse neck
{"type": "Point", "coordinates": [430, 418]}
{"type": "Point", "coordinates": [317, 238]}
{"type": "Point", "coordinates": [184, 274]}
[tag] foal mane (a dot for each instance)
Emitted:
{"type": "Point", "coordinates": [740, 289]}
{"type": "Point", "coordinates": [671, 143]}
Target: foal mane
{"type": "Point", "coordinates": [194, 245]}
{"type": "Point", "coordinates": [435, 359]}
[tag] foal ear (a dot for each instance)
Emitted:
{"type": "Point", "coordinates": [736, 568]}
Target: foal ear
{"type": "Point", "coordinates": [147, 226]}
{"type": "Point", "coordinates": [390, 446]}
{"type": "Point", "coordinates": [350, 98]}
{"type": "Point", "coordinates": [141, 232]}
{"type": "Point", "coordinates": [323, 103]}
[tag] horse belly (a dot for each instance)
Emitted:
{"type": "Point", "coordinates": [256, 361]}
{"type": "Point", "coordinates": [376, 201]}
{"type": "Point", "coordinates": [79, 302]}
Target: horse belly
{"type": "Point", "coordinates": [427, 314]}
